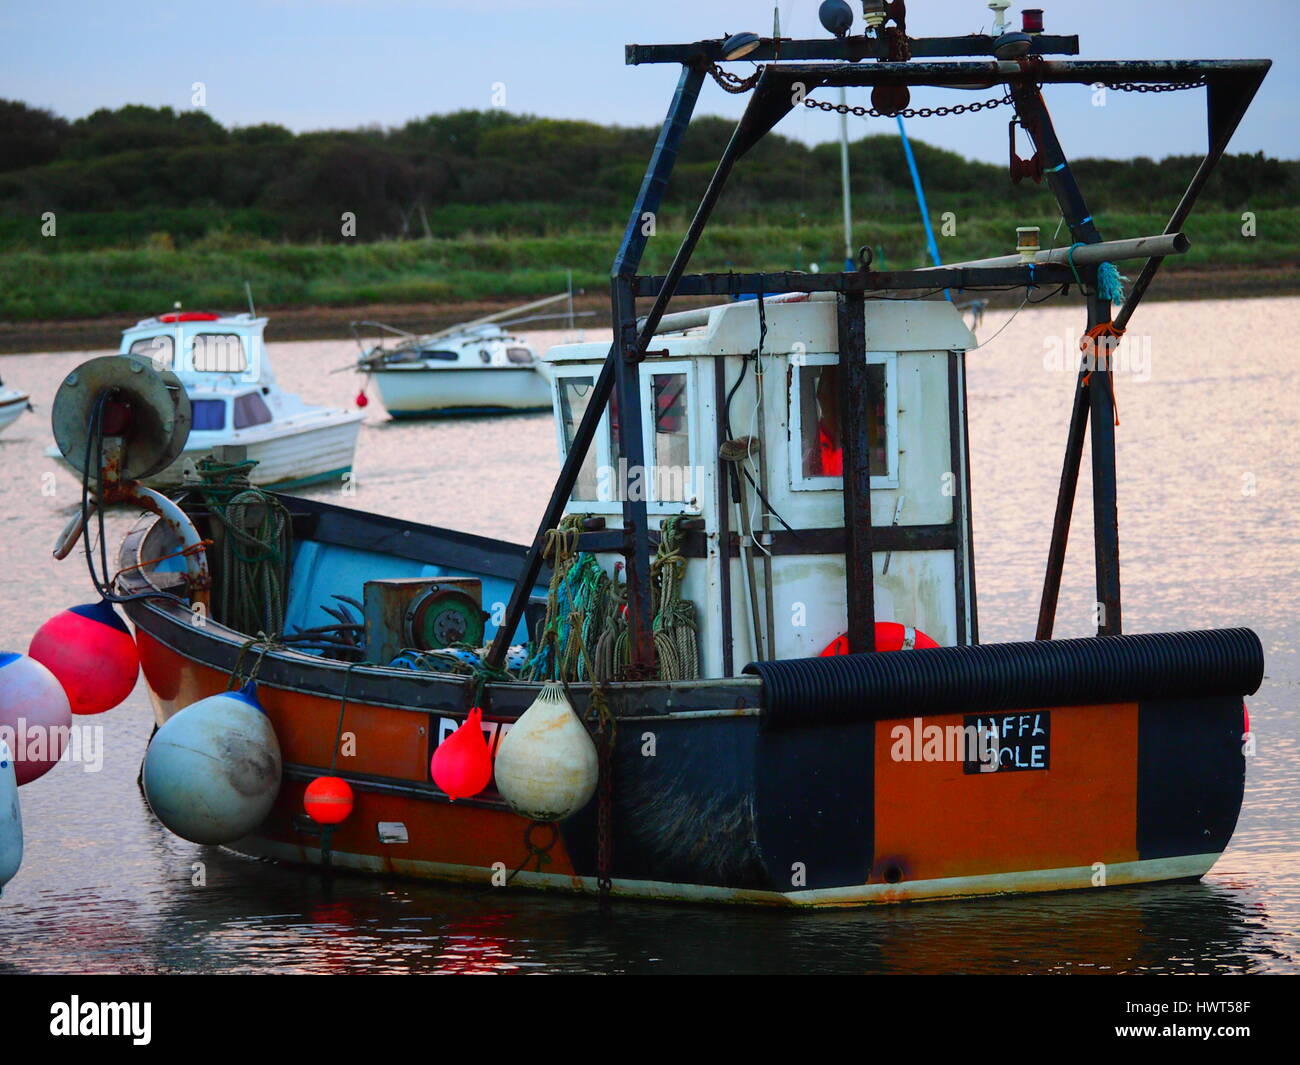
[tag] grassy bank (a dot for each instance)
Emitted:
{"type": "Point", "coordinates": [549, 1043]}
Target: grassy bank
{"type": "Point", "coordinates": [210, 273]}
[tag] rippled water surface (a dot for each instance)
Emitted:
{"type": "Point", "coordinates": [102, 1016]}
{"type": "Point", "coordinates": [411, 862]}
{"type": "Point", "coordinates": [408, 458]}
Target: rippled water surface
{"type": "Point", "coordinates": [1208, 452]}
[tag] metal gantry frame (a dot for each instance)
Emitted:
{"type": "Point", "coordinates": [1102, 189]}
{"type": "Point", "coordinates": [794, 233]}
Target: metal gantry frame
{"type": "Point", "coordinates": [795, 69]}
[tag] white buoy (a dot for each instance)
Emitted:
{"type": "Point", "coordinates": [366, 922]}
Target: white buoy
{"type": "Point", "coordinates": [212, 772]}
{"type": "Point", "coordinates": [11, 819]}
{"type": "Point", "coordinates": [546, 766]}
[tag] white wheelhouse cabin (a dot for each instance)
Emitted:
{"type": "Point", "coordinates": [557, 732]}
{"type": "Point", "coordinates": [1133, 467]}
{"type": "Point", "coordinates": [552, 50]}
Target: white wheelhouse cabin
{"type": "Point", "coordinates": [708, 385]}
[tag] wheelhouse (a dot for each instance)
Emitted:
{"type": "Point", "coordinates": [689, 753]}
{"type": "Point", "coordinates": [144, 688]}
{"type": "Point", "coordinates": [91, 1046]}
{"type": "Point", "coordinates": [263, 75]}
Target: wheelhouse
{"type": "Point", "coordinates": [771, 370]}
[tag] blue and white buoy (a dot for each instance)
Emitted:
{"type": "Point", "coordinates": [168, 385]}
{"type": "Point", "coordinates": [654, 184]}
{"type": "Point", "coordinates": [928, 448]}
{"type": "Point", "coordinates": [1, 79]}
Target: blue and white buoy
{"type": "Point", "coordinates": [212, 771]}
{"type": "Point", "coordinates": [11, 819]}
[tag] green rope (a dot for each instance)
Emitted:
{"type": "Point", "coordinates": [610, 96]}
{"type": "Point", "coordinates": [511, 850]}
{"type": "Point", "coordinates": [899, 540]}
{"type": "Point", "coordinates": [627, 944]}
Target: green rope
{"type": "Point", "coordinates": [252, 564]}
{"type": "Point", "coordinates": [585, 635]}
{"type": "Point", "coordinates": [675, 628]}
{"type": "Point", "coordinates": [1069, 257]}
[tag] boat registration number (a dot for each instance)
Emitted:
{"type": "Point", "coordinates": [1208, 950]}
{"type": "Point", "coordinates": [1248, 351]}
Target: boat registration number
{"type": "Point", "coordinates": [1021, 741]}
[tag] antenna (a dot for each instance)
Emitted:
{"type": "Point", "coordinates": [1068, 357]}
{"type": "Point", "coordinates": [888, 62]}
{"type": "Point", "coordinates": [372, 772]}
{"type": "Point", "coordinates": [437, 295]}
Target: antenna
{"type": "Point", "coordinates": [248, 291]}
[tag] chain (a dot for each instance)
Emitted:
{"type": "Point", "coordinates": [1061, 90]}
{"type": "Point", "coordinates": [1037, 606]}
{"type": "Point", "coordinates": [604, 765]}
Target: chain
{"type": "Point", "coordinates": [733, 83]}
{"type": "Point", "coordinates": [1154, 86]}
{"type": "Point", "coordinates": [908, 112]}
{"type": "Point", "coordinates": [606, 735]}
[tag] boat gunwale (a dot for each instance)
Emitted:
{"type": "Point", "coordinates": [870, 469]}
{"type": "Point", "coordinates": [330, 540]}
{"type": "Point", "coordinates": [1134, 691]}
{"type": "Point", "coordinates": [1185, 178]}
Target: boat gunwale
{"type": "Point", "coordinates": [219, 647]}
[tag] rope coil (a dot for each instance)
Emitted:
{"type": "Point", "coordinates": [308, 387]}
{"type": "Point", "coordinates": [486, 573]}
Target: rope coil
{"type": "Point", "coordinates": [253, 542]}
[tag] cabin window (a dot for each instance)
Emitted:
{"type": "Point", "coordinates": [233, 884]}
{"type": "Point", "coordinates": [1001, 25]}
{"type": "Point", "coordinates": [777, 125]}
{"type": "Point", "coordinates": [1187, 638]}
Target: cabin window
{"type": "Point", "coordinates": [615, 444]}
{"type": "Point", "coordinates": [218, 353]}
{"type": "Point", "coordinates": [574, 394]}
{"type": "Point", "coordinates": [250, 410]}
{"type": "Point", "coordinates": [439, 354]}
{"type": "Point", "coordinates": [815, 423]}
{"type": "Point", "coordinates": [209, 415]}
{"type": "Point", "coordinates": [671, 439]}
{"type": "Point", "coordinates": [520, 356]}
{"type": "Point", "coordinates": [161, 349]}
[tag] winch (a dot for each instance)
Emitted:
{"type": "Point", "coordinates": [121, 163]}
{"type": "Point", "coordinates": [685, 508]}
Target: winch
{"type": "Point", "coordinates": [422, 614]}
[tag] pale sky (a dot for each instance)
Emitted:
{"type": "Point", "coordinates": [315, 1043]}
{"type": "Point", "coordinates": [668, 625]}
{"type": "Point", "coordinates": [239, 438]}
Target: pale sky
{"type": "Point", "coordinates": [311, 64]}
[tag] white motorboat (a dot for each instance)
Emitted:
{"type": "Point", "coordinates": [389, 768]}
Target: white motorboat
{"type": "Point", "coordinates": [235, 400]}
{"type": "Point", "coordinates": [477, 367]}
{"type": "Point", "coordinates": [12, 405]}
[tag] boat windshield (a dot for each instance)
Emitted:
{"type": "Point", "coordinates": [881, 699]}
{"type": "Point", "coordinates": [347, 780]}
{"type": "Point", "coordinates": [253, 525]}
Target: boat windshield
{"type": "Point", "coordinates": [160, 350]}
{"type": "Point", "coordinates": [218, 353]}
{"type": "Point", "coordinates": [208, 414]}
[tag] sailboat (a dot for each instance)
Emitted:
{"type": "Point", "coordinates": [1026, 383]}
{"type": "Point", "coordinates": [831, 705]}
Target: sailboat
{"type": "Point", "coordinates": [476, 367]}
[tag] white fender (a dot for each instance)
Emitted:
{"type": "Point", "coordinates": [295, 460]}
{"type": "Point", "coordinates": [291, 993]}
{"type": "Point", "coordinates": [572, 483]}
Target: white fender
{"type": "Point", "coordinates": [546, 766]}
{"type": "Point", "coordinates": [11, 819]}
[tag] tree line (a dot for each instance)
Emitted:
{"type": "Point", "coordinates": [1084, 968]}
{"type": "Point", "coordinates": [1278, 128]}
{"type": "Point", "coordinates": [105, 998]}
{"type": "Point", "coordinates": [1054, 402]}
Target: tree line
{"type": "Point", "coordinates": [124, 174]}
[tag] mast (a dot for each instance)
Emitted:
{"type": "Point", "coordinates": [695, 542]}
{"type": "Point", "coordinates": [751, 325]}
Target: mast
{"type": "Point", "coordinates": [844, 179]}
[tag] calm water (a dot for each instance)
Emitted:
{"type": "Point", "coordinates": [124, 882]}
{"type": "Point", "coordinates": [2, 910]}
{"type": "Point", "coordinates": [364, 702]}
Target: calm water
{"type": "Point", "coordinates": [1210, 527]}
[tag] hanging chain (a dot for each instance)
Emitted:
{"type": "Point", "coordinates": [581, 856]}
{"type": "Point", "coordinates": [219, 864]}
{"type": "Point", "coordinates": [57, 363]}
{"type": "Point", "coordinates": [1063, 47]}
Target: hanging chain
{"type": "Point", "coordinates": [606, 737]}
{"type": "Point", "coordinates": [733, 83]}
{"type": "Point", "coordinates": [961, 109]}
{"type": "Point", "coordinates": [1154, 86]}
{"type": "Point", "coordinates": [907, 112]}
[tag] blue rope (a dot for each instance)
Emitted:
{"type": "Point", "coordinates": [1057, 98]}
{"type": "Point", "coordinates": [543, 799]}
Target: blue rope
{"type": "Point", "coordinates": [1110, 285]}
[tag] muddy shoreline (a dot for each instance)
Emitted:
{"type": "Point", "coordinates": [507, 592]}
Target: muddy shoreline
{"type": "Point", "coordinates": [324, 323]}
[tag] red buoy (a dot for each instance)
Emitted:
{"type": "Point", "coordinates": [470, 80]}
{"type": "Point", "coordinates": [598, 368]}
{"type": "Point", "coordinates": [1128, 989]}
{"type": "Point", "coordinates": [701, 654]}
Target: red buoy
{"type": "Point", "coordinates": [890, 636]}
{"type": "Point", "coordinates": [362, 399]}
{"type": "Point", "coordinates": [328, 800]}
{"type": "Point", "coordinates": [89, 648]}
{"type": "Point", "coordinates": [462, 764]}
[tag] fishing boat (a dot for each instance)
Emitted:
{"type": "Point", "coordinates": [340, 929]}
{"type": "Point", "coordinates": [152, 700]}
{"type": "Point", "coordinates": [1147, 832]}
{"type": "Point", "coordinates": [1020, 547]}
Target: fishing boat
{"type": "Point", "coordinates": [222, 363]}
{"type": "Point", "coordinates": [13, 404]}
{"type": "Point", "coordinates": [740, 660]}
{"type": "Point", "coordinates": [477, 367]}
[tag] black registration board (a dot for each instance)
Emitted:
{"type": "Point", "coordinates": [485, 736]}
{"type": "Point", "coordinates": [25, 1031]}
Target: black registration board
{"type": "Point", "coordinates": [1023, 741]}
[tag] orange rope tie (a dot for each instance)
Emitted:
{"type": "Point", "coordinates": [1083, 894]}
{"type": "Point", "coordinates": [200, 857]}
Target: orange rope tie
{"type": "Point", "coordinates": [200, 546]}
{"type": "Point", "coordinates": [1089, 344]}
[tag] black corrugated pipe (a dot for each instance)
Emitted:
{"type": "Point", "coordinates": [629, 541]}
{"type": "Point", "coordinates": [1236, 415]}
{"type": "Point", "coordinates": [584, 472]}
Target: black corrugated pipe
{"type": "Point", "coordinates": [1010, 676]}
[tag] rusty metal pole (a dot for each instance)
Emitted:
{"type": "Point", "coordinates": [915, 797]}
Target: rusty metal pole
{"type": "Point", "coordinates": [1105, 512]}
{"type": "Point", "coordinates": [636, 532]}
{"type": "Point", "coordinates": [859, 575]}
